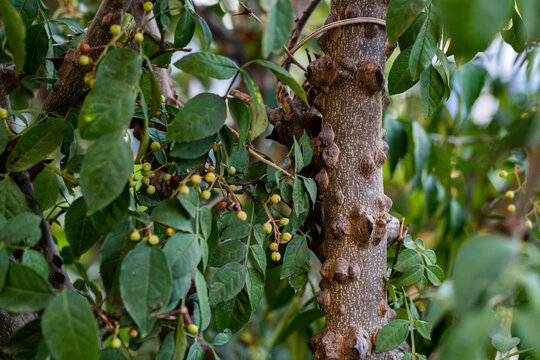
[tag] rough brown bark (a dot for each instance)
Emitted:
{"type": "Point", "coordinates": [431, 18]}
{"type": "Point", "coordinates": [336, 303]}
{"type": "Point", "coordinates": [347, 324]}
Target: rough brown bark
{"type": "Point", "coordinates": [349, 81]}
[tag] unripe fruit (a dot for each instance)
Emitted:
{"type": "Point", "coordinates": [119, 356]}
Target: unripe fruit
{"type": "Point", "coordinates": [138, 37]}
{"type": "Point", "coordinates": [503, 174]}
{"type": "Point", "coordinates": [169, 231]}
{"type": "Point", "coordinates": [276, 256]}
{"type": "Point", "coordinates": [132, 182]}
{"type": "Point", "coordinates": [145, 180]}
{"type": "Point", "coordinates": [135, 236]}
{"type": "Point", "coordinates": [210, 177]}
{"type": "Point", "coordinates": [153, 240]}
{"type": "Point", "coordinates": [529, 224]}
{"type": "Point", "coordinates": [284, 221]}
{"type": "Point", "coordinates": [146, 166]}
{"type": "Point", "coordinates": [196, 179]}
{"type": "Point", "coordinates": [150, 189]}
{"type": "Point", "coordinates": [242, 216]}
{"type": "Point", "coordinates": [206, 195]}
{"type": "Point", "coordinates": [167, 177]}
{"type": "Point", "coordinates": [84, 60]}
{"type": "Point", "coordinates": [275, 198]}
{"type": "Point", "coordinates": [509, 194]}
{"type": "Point", "coordinates": [115, 29]}
{"type": "Point", "coordinates": [150, 174]}
{"type": "Point", "coordinates": [233, 187]}
{"type": "Point", "coordinates": [92, 83]}
{"type": "Point", "coordinates": [223, 205]}
{"type": "Point", "coordinates": [232, 170]}
{"type": "Point", "coordinates": [133, 333]}
{"type": "Point", "coordinates": [286, 236]}
{"type": "Point", "coordinates": [148, 6]}
{"type": "Point", "coordinates": [87, 78]}
{"type": "Point", "coordinates": [116, 343]}
{"type": "Point", "coordinates": [511, 208]}
{"type": "Point", "coordinates": [163, 99]}
{"type": "Point", "coordinates": [155, 146]}
{"type": "Point", "coordinates": [184, 190]}
{"type": "Point", "coordinates": [192, 329]}
{"type": "Point", "coordinates": [216, 147]}
{"type": "Point", "coordinates": [267, 228]}
{"type": "Point", "coordinates": [273, 246]}
{"type": "Point", "coordinates": [3, 113]}
{"type": "Point", "coordinates": [84, 47]}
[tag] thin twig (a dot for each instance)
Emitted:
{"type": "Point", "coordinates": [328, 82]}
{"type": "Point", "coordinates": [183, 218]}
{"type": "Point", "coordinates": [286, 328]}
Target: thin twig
{"type": "Point", "coordinates": [293, 60]}
{"type": "Point", "coordinates": [248, 12]}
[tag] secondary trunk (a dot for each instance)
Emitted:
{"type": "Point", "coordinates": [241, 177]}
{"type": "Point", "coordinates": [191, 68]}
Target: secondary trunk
{"type": "Point", "coordinates": [349, 79]}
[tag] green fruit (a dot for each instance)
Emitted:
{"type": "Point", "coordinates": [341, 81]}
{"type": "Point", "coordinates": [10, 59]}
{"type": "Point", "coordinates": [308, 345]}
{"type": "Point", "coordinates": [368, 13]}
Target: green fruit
{"type": "Point", "coordinates": [267, 228]}
{"type": "Point", "coordinates": [169, 231]}
{"type": "Point", "coordinates": [146, 166]}
{"type": "Point", "coordinates": [242, 216]}
{"type": "Point", "coordinates": [3, 113]}
{"type": "Point", "coordinates": [286, 236]}
{"type": "Point", "coordinates": [276, 256]}
{"type": "Point", "coordinates": [135, 235]}
{"type": "Point", "coordinates": [503, 174]}
{"type": "Point", "coordinates": [192, 329]}
{"type": "Point", "coordinates": [155, 146]}
{"type": "Point", "coordinates": [210, 177]}
{"type": "Point", "coordinates": [138, 37]}
{"type": "Point", "coordinates": [153, 240]}
{"type": "Point", "coordinates": [275, 198]}
{"type": "Point", "coordinates": [196, 179]}
{"type": "Point", "coordinates": [284, 222]}
{"type": "Point", "coordinates": [273, 246]}
{"type": "Point", "coordinates": [148, 6]}
{"type": "Point", "coordinates": [167, 177]}
{"type": "Point", "coordinates": [151, 189]}
{"type": "Point", "coordinates": [509, 194]}
{"type": "Point", "coordinates": [232, 170]}
{"type": "Point", "coordinates": [206, 195]}
{"type": "Point", "coordinates": [184, 190]}
{"type": "Point", "coordinates": [116, 343]}
{"type": "Point", "coordinates": [115, 29]}
{"type": "Point", "coordinates": [84, 60]}
{"type": "Point", "coordinates": [511, 208]}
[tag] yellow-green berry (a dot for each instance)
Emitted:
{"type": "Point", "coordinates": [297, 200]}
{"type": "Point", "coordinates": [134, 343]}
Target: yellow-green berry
{"type": "Point", "coordinates": [216, 147]}
{"type": "Point", "coordinates": [192, 329]}
{"type": "Point", "coordinates": [115, 29]}
{"type": "Point", "coordinates": [132, 182]}
{"type": "Point", "coordinates": [276, 256]}
{"type": "Point", "coordinates": [511, 208]}
{"type": "Point", "coordinates": [231, 170]}
{"type": "Point", "coordinates": [153, 240]}
{"type": "Point", "coordinates": [242, 216]}
{"type": "Point", "coordinates": [529, 224]}
{"type": "Point", "coordinates": [87, 78]}
{"type": "Point", "coordinates": [273, 246]}
{"type": "Point", "coordinates": [267, 228]}
{"type": "Point", "coordinates": [155, 146]}
{"type": "Point", "coordinates": [275, 198]}
{"type": "Point", "coordinates": [146, 166]}
{"type": "Point", "coordinates": [503, 174]}
{"type": "Point", "coordinates": [509, 194]}
{"type": "Point", "coordinates": [135, 236]}
{"type": "Point", "coordinates": [84, 60]}
{"type": "Point", "coordinates": [233, 187]}
{"type": "Point", "coordinates": [139, 37]}
{"type": "Point", "coordinates": [210, 177]}
{"type": "Point", "coordinates": [169, 231]}
{"type": "Point", "coordinates": [284, 221]}
{"type": "Point", "coordinates": [3, 113]}
{"type": "Point", "coordinates": [150, 174]}
{"type": "Point", "coordinates": [92, 83]}
{"type": "Point", "coordinates": [196, 179]}
{"type": "Point", "coordinates": [145, 180]}
{"type": "Point", "coordinates": [116, 343]}
{"type": "Point", "coordinates": [167, 177]}
{"type": "Point", "coordinates": [184, 190]}
{"type": "Point", "coordinates": [150, 189]}
{"type": "Point", "coordinates": [148, 6]}
{"type": "Point", "coordinates": [205, 195]}
{"type": "Point", "coordinates": [286, 236]}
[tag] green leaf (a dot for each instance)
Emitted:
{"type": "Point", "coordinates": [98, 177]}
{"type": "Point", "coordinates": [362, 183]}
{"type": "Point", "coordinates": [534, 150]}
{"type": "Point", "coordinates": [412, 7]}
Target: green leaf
{"type": "Point", "coordinates": [233, 314]}
{"type": "Point", "coordinates": [15, 33]}
{"type": "Point", "coordinates": [259, 120]}
{"type": "Point", "coordinates": [411, 276]}
{"type": "Point", "coordinates": [36, 261]}
{"type": "Point", "coordinates": [257, 258]}
{"type": "Point", "coordinates": [392, 335]}
{"type": "Point", "coordinates": [180, 340]}
{"type": "Point", "coordinates": [184, 29]}
{"type": "Point", "coordinates": [311, 187]}
{"type": "Point", "coordinates": [298, 159]}
{"type": "Point", "coordinates": [472, 25]}
{"type": "Point", "coordinates": [307, 148]}
{"type": "Point", "coordinates": [4, 266]}
{"type": "Point", "coordinates": [25, 290]}
{"type": "Point", "coordinates": [27, 9]}
{"type": "Point", "coordinates": [80, 231]}
{"type": "Point", "coordinates": [430, 257]}
{"type": "Point", "coordinates": [227, 252]}
{"type": "Point", "coordinates": [4, 138]}
{"type": "Point", "coordinates": [115, 247]}
{"type": "Point", "coordinates": [195, 149]}
{"type": "Point", "coordinates": [407, 258]}
{"type": "Point", "coordinates": [408, 38]}
{"type": "Point", "coordinates": [299, 198]}
{"type": "Point", "coordinates": [46, 189]}
{"type": "Point", "coordinates": [12, 200]}
{"type": "Point", "coordinates": [121, 64]}
{"type": "Point", "coordinates": [433, 89]}
{"type": "Point", "coordinates": [301, 321]}
{"type": "Point", "coordinates": [222, 338]}
{"type": "Point", "coordinates": [399, 77]}
{"type": "Point", "coordinates": [25, 339]}
{"type": "Point", "coordinates": [145, 284]}
{"type": "Point", "coordinates": [70, 329]}
{"type": "Point", "coordinates": [285, 77]}
{"type": "Point", "coordinates": [106, 219]}
{"type": "Point", "coordinates": [424, 329]}
{"type": "Point", "coordinates": [503, 343]}
{"type": "Point", "coordinates": [422, 146]}
{"type": "Point", "coordinates": [423, 50]}
{"type": "Point", "coordinates": [278, 27]}
{"type": "Point", "coordinates": [400, 15]}
{"type": "Point", "coordinates": [207, 33]}
{"type": "Point", "coordinates": [397, 140]}
{"type": "Point", "coordinates": [201, 117]}
{"type": "Point", "coordinates": [105, 170]}
{"type": "Point", "coordinates": [37, 44]}
{"type": "Point", "coordinates": [171, 213]}
{"type": "Point", "coordinates": [196, 352]}
{"type": "Point", "coordinates": [296, 258]}
{"type": "Point", "coordinates": [204, 305]}
{"type": "Point", "coordinates": [36, 144]}
{"type": "Point", "coordinates": [227, 282]}
{"type": "Point", "coordinates": [22, 227]}
{"type": "Point", "coordinates": [205, 64]}
{"type": "Point", "coordinates": [255, 287]}
{"type": "Point", "coordinates": [241, 116]}
{"type": "Point", "coordinates": [183, 253]}
{"type": "Point", "coordinates": [471, 78]}
{"type": "Point", "coordinates": [107, 108]}
{"type": "Point", "coordinates": [516, 36]}
{"type": "Point", "coordinates": [166, 351]}
{"type": "Point", "coordinates": [231, 228]}
{"type": "Point", "coordinates": [435, 274]}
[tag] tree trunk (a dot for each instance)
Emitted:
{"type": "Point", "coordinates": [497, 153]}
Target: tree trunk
{"type": "Point", "coordinates": [350, 80]}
